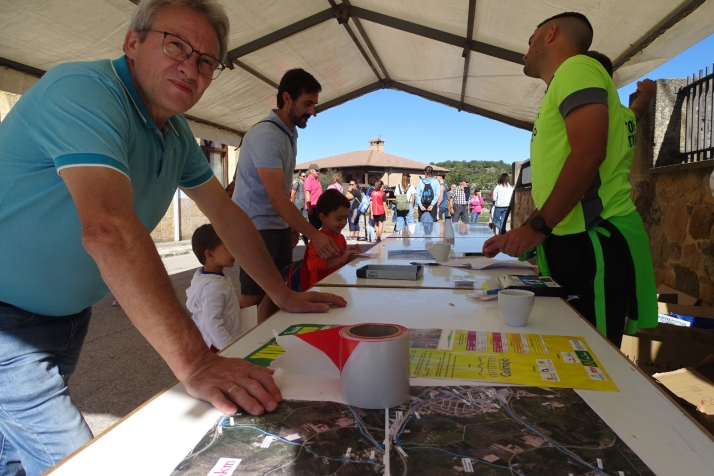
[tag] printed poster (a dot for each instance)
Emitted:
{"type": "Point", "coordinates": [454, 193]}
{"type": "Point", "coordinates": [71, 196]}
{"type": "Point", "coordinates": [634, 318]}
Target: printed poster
{"type": "Point", "coordinates": [510, 358]}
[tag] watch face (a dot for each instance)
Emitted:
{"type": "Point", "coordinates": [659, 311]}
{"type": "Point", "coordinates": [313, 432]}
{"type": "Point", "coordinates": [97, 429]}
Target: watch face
{"type": "Point", "coordinates": [537, 222]}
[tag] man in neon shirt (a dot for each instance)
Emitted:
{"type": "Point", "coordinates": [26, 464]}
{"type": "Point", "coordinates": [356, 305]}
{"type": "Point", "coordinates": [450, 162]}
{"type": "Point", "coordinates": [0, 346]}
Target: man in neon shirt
{"type": "Point", "coordinates": [596, 244]}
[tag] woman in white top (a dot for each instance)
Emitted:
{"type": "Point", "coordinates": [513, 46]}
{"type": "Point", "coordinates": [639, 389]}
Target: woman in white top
{"type": "Point", "coordinates": [501, 200]}
{"type": "Point", "coordinates": [403, 218]}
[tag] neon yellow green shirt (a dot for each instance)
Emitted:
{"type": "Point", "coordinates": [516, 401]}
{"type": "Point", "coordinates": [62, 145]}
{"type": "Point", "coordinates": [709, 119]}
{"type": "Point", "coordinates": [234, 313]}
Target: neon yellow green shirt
{"type": "Point", "coordinates": [578, 81]}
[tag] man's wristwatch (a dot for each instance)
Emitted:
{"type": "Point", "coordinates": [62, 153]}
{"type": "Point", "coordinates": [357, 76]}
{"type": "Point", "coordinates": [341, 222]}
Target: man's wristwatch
{"type": "Point", "coordinates": [538, 224]}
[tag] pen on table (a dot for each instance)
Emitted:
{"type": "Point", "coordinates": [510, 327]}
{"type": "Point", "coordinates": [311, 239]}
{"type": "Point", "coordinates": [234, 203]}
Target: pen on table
{"type": "Point", "coordinates": [425, 264]}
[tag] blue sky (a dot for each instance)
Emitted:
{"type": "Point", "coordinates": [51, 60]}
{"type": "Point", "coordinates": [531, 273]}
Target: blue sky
{"type": "Point", "coordinates": [426, 131]}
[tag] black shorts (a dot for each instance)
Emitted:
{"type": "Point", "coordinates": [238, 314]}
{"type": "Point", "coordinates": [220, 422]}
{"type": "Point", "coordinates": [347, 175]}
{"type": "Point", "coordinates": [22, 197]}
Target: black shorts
{"type": "Point", "coordinates": [379, 218]}
{"type": "Point", "coordinates": [279, 245]}
{"type": "Point", "coordinates": [443, 214]}
{"type": "Point", "coordinates": [572, 263]}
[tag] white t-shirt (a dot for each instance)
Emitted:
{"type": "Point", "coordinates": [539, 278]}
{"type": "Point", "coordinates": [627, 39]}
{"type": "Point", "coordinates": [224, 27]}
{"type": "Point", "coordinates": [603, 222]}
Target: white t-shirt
{"type": "Point", "coordinates": [410, 191]}
{"type": "Point", "coordinates": [214, 308]}
{"type": "Point", "coordinates": [502, 195]}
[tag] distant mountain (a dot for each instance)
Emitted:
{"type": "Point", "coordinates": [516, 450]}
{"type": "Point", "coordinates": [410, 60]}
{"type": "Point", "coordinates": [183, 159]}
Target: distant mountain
{"type": "Point", "coordinates": [483, 174]}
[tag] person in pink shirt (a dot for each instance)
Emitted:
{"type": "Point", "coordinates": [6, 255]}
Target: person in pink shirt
{"type": "Point", "coordinates": [379, 214]}
{"type": "Point", "coordinates": [313, 190]}
{"type": "Point", "coordinates": [476, 202]}
{"type": "Point", "coordinates": [336, 182]}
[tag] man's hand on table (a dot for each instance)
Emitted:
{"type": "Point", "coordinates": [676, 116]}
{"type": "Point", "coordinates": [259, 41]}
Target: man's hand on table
{"type": "Point", "coordinates": [225, 382]}
{"type": "Point", "coordinates": [324, 246]}
{"type": "Point", "coordinates": [513, 243]}
{"type": "Point", "coordinates": [310, 302]}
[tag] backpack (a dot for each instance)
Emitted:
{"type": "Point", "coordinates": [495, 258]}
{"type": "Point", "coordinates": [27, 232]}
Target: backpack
{"type": "Point", "coordinates": [364, 204]}
{"type": "Point", "coordinates": [428, 194]}
{"type": "Point", "coordinates": [295, 275]}
{"type": "Point", "coordinates": [402, 201]}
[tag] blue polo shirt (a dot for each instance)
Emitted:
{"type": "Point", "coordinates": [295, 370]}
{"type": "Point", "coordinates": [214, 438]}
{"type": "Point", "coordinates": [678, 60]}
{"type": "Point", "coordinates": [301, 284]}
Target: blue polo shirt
{"type": "Point", "coordinates": [78, 115]}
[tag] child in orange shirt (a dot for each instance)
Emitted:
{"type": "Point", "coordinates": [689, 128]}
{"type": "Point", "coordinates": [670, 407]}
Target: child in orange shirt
{"type": "Point", "coordinates": [333, 209]}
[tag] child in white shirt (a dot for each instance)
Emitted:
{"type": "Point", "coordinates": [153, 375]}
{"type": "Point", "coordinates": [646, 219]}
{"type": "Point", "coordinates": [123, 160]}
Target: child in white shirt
{"type": "Point", "coordinates": [212, 298]}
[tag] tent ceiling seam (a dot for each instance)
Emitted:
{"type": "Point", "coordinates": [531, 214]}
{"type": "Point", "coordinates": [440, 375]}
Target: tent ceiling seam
{"type": "Point", "coordinates": [351, 95]}
{"type": "Point", "coordinates": [368, 42]}
{"type": "Point", "coordinates": [342, 20]}
{"type": "Point", "coordinates": [465, 106]}
{"type": "Point", "coordinates": [282, 34]}
{"type": "Point", "coordinates": [382, 19]}
{"type": "Point", "coordinates": [255, 73]}
{"type": "Point", "coordinates": [437, 35]}
{"type": "Point", "coordinates": [213, 124]}
{"type": "Point", "coordinates": [467, 52]}
{"type": "Point", "coordinates": [660, 29]}
{"type": "Point", "coordinates": [23, 68]}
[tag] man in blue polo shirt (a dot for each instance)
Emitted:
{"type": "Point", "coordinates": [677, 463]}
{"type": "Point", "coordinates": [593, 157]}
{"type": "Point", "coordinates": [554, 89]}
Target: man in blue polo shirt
{"type": "Point", "coordinates": [89, 160]}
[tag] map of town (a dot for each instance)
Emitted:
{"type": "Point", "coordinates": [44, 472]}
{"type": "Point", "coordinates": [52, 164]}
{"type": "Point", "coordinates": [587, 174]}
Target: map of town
{"type": "Point", "coordinates": [441, 430]}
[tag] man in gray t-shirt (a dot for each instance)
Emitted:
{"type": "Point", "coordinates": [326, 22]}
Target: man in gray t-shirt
{"type": "Point", "coordinates": [264, 178]}
{"type": "Point", "coordinates": [297, 194]}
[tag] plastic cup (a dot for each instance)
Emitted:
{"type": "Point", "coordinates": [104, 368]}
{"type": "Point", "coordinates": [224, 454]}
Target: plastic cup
{"type": "Point", "coordinates": [440, 251]}
{"type": "Point", "coordinates": [516, 306]}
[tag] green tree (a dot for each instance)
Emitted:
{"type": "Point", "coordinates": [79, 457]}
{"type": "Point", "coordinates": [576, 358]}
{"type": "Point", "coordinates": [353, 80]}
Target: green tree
{"type": "Point", "coordinates": [481, 174]}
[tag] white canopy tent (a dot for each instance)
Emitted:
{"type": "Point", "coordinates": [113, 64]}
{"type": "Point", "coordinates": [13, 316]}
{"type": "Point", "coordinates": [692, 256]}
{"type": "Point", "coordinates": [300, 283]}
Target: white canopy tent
{"type": "Point", "coordinates": [463, 53]}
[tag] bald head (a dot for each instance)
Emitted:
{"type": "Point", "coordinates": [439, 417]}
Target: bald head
{"type": "Point", "coordinates": [576, 29]}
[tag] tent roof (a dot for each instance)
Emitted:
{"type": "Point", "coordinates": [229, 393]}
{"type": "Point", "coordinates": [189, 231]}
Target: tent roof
{"type": "Point", "coordinates": [462, 53]}
{"type": "Point", "coordinates": [369, 158]}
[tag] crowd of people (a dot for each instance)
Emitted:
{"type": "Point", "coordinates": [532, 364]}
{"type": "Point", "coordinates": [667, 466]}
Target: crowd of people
{"type": "Point", "coordinates": [108, 145]}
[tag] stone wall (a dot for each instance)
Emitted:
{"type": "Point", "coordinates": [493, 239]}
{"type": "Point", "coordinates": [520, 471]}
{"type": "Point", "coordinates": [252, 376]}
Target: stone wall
{"type": "Point", "coordinates": [676, 205]}
{"type": "Point", "coordinates": [191, 216]}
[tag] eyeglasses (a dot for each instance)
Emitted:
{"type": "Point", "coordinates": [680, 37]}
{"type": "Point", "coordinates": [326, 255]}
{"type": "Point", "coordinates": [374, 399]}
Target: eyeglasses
{"type": "Point", "coordinates": [180, 50]}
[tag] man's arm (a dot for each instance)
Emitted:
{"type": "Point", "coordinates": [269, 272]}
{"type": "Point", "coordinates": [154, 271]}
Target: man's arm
{"type": "Point", "coordinates": [292, 195]}
{"type": "Point", "coordinates": [441, 193]}
{"type": "Point", "coordinates": [274, 183]}
{"type": "Point", "coordinates": [586, 127]}
{"type": "Point", "coordinates": [127, 258]}
{"type": "Point", "coordinates": [646, 89]}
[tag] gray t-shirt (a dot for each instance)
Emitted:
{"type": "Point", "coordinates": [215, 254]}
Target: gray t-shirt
{"type": "Point", "coordinates": [264, 147]}
{"type": "Point", "coordinates": [299, 188]}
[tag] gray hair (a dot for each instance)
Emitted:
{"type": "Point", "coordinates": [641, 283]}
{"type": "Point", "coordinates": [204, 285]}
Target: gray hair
{"type": "Point", "coordinates": [145, 14]}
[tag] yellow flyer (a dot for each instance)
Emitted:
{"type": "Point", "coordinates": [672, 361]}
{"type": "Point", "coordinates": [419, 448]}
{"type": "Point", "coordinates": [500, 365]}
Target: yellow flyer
{"type": "Point", "coordinates": [523, 359]}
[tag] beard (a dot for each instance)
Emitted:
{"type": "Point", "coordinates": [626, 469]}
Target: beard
{"type": "Point", "coordinates": [530, 71]}
{"type": "Point", "coordinates": [300, 120]}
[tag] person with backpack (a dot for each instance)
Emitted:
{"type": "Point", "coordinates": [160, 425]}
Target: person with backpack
{"type": "Point", "coordinates": [404, 197]}
{"type": "Point", "coordinates": [428, 193]}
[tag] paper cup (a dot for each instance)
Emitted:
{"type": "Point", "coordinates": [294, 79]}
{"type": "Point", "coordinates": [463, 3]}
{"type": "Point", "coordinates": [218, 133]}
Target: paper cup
{"type": "Point", "coordinates": [516, 306]}
{"type": "Point", "coordinates": [440, 251]}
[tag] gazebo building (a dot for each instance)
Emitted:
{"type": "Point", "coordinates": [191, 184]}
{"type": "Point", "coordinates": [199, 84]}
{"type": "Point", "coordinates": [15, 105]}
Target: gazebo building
{"type": "Point", "coordinates": [364, 165]}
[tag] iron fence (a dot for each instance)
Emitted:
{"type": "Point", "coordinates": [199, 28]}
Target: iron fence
{"type": "Point", "coordinates": [698, 117]}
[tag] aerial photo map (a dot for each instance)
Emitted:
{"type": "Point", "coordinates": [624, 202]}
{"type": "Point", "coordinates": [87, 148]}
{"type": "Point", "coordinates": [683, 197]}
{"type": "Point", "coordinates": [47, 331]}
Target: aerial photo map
{"type": "Point", "coordinates": [441, 430]}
